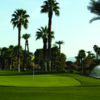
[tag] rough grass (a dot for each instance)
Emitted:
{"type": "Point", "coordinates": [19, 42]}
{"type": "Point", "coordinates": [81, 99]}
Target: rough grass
{"type": "Point", "coordinates": [89, 89]}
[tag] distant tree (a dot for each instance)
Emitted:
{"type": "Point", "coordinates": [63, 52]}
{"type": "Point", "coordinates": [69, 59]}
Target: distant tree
{"type": "Point", "coordinates": [26, 37]}
{"type": "Point", "coordinates": [77, 60]}
{"type": "Point", "coordinates": [60, 63]}
{"type": "Point", "coordinates": [94, 7]}
{"type": "Point", "coordinates": [19, 19]}
{"type": "Point", "coordinates": [58, 60]}
{"type": "Point", "coordinates": [90, 55]}
{"type": "Point", "coordinates": [69, 64]}
{"type": "Point", "coordinates": [39, 58]}
{"type": "Point", "coordinates": [11, 56]}
{"type": "Point", "coordinates": [81, 56]}
{"type": "Point", "coordinates": [88, 64]}
{"type": "Point", "coordinates": [4, 57]}
{"type": "Point", "coordinates": [49, 7]}
{"type": "Point", "coordinates": [72, 65]}
{"type": "Point", "coordinates": [97, 50]}
{"type": "Point", "coordinates": [26, 61]}
{"type": "Point", "coordinates": [60, 43]}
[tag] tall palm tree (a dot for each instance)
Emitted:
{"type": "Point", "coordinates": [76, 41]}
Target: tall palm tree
{"type": "Point", "coordinates": [42, 33]}
{"type": "Point", "coordinates": [49, 7]}
{"type": "Point", "coordinates": [94, 7]}
{"type": "Point", "coordinates": [19, 19]}
{"type": "Point", "coordinates": [26, 37]}
{"type": "Point", "coordinates": [60, 43]}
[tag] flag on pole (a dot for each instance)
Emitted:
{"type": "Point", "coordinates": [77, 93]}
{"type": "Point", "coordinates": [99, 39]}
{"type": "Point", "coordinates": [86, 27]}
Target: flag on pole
{"type": "Point", "coordinates": [33, 57]}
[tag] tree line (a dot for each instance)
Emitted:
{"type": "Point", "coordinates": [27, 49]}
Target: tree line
{"type": "Point", "coordinates": [20, 18]}
{"type": "Point", "coordinates": [85, 61]}
{"type": "Point", "coordinates": [9, 58]}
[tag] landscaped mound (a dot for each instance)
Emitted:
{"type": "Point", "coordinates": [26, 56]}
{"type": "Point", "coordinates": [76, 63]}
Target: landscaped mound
{"type": "Point", "coordinates": [96, 72]}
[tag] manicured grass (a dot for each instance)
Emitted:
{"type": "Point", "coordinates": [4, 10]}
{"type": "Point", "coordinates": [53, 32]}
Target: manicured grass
{"type": "Point", "coordinates": [71, 89]}
{"type": "Point", "coordinates": [38, 80]}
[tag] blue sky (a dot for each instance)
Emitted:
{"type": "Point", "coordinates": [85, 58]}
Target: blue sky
{"type": "Point", "coordinates": [72, 26]}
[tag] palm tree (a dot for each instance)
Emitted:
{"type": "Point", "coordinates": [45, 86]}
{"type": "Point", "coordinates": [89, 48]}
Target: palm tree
{"type": "Point", "coordinates": [96, 49]}
{"type": "Point", "coordinates": [94, 7]}
{"type": "Point", "coordinates": [26, 37]}
{"type": "Point", "coordinates": [90, 55]}
{"type": "Point", "coordinates": [49, 7]}
{"type": "Point", "coordinates": [11, 55]}
{"type": "Point", "coordinates": [19, 19]}
{"type": "Point", "coordinates": [42, 33]}
{"type": "Point", "coordinates": [81, 56]}
{"type": "Point", "coordinates": [60, 43]}
{"type": "Point", "coordinates": [4, 57]}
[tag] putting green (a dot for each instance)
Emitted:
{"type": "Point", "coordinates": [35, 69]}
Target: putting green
{"type": "Point", "coordinates": [38, 81]}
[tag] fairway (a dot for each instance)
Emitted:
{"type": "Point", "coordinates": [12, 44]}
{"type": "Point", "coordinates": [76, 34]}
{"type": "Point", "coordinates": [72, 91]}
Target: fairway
{"type": "Point", "coordinates": [38, 81]}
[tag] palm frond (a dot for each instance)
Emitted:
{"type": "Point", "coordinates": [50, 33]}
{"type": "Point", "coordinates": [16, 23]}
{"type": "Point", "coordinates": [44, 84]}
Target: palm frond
{"type": "Point", "coordinates": [20, 17]}
{"type": "Point", "coordinates": [26, 36]}
{"type": "Point", "coordinates": [94, 19]}
{"type": "Point", "coordinates": [42, 33]}
{"type": "Point", "coordinates": [94, 7]}
{"type": "Point", "coordinates": [50, 6]}
{"type": "Point", "coordinates": [59, 42]}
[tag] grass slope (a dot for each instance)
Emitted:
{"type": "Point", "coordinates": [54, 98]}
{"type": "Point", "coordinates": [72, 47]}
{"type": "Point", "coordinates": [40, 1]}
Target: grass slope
{"type": "Point", "coordinates": [89, 89]}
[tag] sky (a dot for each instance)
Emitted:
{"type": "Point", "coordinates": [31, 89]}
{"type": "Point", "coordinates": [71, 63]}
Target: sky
{"type": "Point", "coordinates": [72, 26]}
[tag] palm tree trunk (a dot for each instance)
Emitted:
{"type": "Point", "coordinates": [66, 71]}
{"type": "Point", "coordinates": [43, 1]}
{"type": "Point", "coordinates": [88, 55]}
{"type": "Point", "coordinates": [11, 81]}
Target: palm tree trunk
{"type": "Point", "coordinates": [49, 40]}
{"type": "Point", "coordinates": [25, 46]}
{"type": "Point", "coordinates": [82, 65]}
{"type": "Point", "coordinates": [19, 41]}
{"type": "Point", "coordinates": [97, 56]}
{"type": "Point", "coordinates": [28, 46]}
{"type": "Point", "coordinates": [45, 53]}
{"type": "Point", "coordinates": [60, 48]}
{"type": "Point", "coordinates": [24, 57]}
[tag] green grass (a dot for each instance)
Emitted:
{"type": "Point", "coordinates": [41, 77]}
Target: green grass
{"type": "Point", "coordinates": [38, 81]}
{"type": "Point", "coordinates": [23, 86]}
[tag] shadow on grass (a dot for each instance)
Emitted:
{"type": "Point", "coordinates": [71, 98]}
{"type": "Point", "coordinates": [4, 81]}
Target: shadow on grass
{"type": "Point", "coordinates": [15, 73]}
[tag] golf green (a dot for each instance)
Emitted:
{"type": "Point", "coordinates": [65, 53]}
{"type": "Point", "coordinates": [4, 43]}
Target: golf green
{"type": "Point", "coordinates": [38, 80]}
